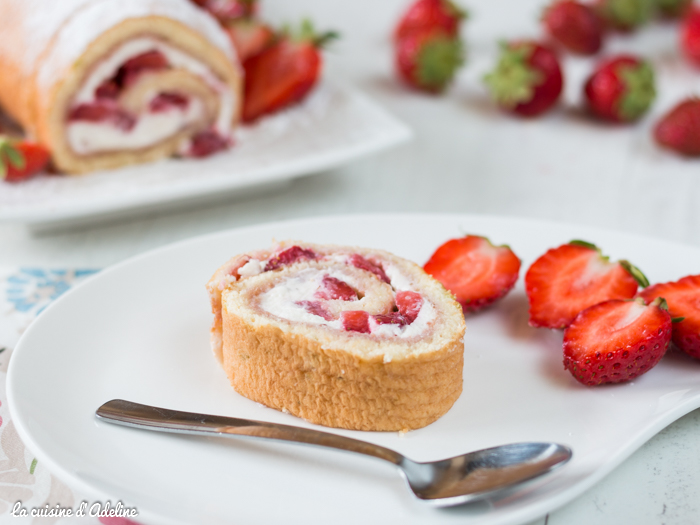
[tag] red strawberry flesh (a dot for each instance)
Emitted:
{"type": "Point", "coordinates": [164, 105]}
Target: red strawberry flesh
{"type": "Point", "coordinates": [289, 256]}
{"type": "Point", "coordinates": [132, 68]}
{"type": "Point", "coordinates": [334, 289]}
{"type": "Point", "coordinates": [206, 143]}
{"type": "Point", "coordinates": [316, 308]}
{"type": "Point", "coordinates": [683, 298]}
{"type": "Point", "coordinates": [167, 101]}
{"type": "Point", "coordinates": [616, 341]}
{"type": "Point", "coordinates": [103, 111]}
{"type": "Point", "coordinates": [569, 279]}
{"type": "Point", "coordinates": [392, 318]}
{"type": "Point", "coordinates": [355, 321]}
{"type": "Point", "coordinates": [35, 157]}
{"type": "Point", "coordinates": [280, 76]}
{"type": "Point", "coordinates": [360, 262]}
{"type": "Point", "coordinates": [474, 270]}
{"type": "Point", "coordinates": [409, 305]}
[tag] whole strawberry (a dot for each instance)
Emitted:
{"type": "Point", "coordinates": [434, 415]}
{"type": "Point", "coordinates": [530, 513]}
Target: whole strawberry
{"type": "Point", "coordinates": [474, 270]}
{"type": "Point", "coordinates": [625, 15]}
{"type": "Point", "coordinates": [568, 279]}
{"type": "Point", "coordinates": [430, 14]}
{"type": "Point", "coordinates": [690, 36]}
{"type": "Point", "coordinates": [679, 129]}
{"type": "Point", "coordinates": [616, 341]}
{"type": "Point", "coordinates": [527, 80]}
{"type": "Point", "coordinates": [621, 89]}
{"type": "Point", "coordinates": [21, 159]}
{"type": "Point", "coordinates": [673, 8]}
{"type": "Point", "coordinates": [575, 26]}
{"type": "Point", "coordinates": [428, 59]}
{"type": "Point", "coordinates": [683, 298]}
{"type": "Point", "coordinates": [284, 73]}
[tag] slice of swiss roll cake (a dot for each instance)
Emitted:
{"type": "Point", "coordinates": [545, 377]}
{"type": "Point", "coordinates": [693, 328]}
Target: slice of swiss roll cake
{"type": "Point", "coordinates": [108, 83]}
{"type": "Point", "coordinates": [340, 336]}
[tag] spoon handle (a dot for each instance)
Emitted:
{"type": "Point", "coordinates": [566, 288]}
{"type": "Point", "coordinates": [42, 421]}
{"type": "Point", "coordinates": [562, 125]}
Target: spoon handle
{"type": "Point", "coordinates": [148, 417]}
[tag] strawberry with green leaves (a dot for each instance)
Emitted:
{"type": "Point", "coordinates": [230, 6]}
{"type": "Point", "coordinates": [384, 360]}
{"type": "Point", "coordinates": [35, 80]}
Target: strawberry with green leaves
{"type": "Point", "coordinates": [621, 89]}
{"type": "Point", "coordinates": [617, 340]}
{"type": "Point", "coordinates": [568, 279]}
{"type": "Point", "coordinates": [679, 129]}
{"type": "Point", "coordinates": [527, 79]}
{"type": "Point", "coordinates": [683, 298]}
{"type": "Point", "coordinates": [625, 15]}
{"type": "Point", "coordinates": [284, 73]}
{"type": "Point", "coordinates": [574, 25]}
{"type": "Point", "coordinates": [474, 270]}
{"type": "Point", "coordinates": [431, 14]}
{"type": "Point", "coordinates": [21, 159]}
{"type": "Point", "coordinates": [428, 59]}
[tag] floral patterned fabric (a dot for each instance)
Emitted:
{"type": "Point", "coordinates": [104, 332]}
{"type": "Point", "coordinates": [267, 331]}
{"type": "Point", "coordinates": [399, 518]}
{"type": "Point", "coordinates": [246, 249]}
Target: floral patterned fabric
{"type": "Point", "coordinates": [24, 294]}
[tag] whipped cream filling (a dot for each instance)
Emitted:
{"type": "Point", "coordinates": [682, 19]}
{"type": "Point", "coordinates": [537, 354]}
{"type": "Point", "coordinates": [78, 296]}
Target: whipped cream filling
{"type": "Point", "coordinates": [92, 137]}
{"type": "Point", "coordinates": [89, 137]}
{"type": "Point", "coordinates": [283, 301]}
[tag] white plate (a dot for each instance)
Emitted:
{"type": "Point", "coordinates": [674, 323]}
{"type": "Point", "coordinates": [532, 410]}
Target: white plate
{"type": "Point", "coordinates": [334, 125]}
{"type": "Point", "coordinates": [139, 331]}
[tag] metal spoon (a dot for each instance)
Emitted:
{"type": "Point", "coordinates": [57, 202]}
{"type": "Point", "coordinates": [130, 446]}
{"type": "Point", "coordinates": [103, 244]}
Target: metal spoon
{"type": "Point", "coordinates": [443, 483]}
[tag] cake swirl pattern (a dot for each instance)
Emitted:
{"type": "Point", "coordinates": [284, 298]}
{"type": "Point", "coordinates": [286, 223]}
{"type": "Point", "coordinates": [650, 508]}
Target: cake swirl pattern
{"type": "Point", "coordinates": [107, 83]}
{"type": "Point", "coordinates": [341, 336]}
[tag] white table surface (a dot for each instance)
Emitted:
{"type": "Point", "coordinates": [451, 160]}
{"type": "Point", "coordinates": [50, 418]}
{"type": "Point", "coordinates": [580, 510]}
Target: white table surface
{"type": "Point", "coordinates": [468, 157]}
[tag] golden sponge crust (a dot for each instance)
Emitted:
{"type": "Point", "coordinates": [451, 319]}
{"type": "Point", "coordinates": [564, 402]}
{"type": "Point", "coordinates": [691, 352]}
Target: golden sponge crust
{"type": "Point", "coordinates": [335, 388]}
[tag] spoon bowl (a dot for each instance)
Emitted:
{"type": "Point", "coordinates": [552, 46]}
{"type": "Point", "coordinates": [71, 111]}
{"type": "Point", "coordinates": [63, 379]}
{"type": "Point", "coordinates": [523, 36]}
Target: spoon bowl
{"type": "Point", "coordinates": [461, 479]}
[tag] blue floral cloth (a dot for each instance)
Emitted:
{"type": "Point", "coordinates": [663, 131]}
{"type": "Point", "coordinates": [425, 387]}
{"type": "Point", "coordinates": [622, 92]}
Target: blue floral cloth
{"type": "Point", "coordinates": [24, 294]}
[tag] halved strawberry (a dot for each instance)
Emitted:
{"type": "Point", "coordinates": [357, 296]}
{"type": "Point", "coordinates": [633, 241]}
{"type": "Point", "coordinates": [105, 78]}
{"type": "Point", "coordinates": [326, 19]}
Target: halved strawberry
{"type": "Point", "coordinates": [423, 14]}
{"type": "Point", "coordinates": [21, 159]}
{"type": "Point", "coordinates": [284, 73]}
{"type": "Point", "coordinates": [617, 340]}
{"type": "Point", "coordinates": [474, 270]}
{"type": "Point", "coordinates": [568, 279]}
{"type": "Point", "coordinates": [249, 37]}
{"type": "Point", "coordinates": [683, 298]}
